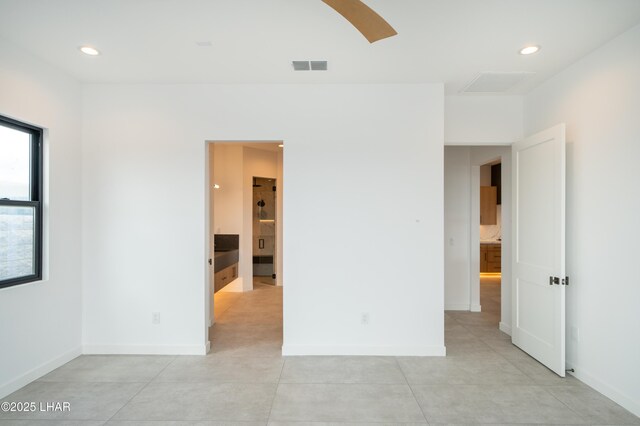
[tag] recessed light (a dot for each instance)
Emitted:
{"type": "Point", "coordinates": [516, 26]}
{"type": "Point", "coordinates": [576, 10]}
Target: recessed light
{"type": "Point", "coordinates": [281, 146]}
{"type": "Point", "coordinates": [216, 186]}
{"type": "Point", "coordinates": [529, 50]}
{"type": "Point", "coordinates": [88, 50]}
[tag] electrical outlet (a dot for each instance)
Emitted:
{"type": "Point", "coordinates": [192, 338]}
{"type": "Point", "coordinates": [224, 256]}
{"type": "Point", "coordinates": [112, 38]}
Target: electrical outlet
{"type": "Point", "coordinates": [364, 319]}
{"type": "Point", "coordinates": [155, 318]}
{"type": "Point", "coordinates": [575, 333]}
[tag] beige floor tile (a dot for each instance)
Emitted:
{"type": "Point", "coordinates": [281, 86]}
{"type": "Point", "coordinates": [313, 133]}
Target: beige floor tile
{"type": "Point", "coordinates": [216, 369]}
{"type": "Point", "coordinates": [179, 401]}
{"type": "Point", "coordinates": [462, 370]}
{"type": "Point", "coordinates": [52, 422]}
{"type": "Point", "coordinates": [110, 368]}
{"type": "Point", "coordinates": [541, 375]}
{"type": "Point", "coordinates": [88, 401]}
{"type": "Point", "coordinates": [346, 423]}
{"type": "Point", "coordinates": [342, 369]}
{"type": "Point", "coordinates": [593, 406]}
{"type": "Point", "coordinates": [181, 423]}
{"type": "Point", "coordinates": [492, 404]}
{"type": "Point", "coordinates": [345, 403]}
{"type": "Point", "coordinates": [246, 381]}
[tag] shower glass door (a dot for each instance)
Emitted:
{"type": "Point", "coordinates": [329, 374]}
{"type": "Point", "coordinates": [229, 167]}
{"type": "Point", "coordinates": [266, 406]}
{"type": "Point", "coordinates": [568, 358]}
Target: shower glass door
{"type": "Point", "coordinates": [264, 230]}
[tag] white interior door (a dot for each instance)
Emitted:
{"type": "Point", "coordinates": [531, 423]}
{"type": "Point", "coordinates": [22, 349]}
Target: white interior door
{"type": "Point", "coordinates": [539, 247]}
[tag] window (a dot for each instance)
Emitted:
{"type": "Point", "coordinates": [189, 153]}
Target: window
{"type": "Point", "coordinates": [20, 203]}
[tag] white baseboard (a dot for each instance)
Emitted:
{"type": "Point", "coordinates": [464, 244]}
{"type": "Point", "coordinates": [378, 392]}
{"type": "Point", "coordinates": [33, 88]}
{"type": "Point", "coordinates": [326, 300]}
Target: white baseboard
{"type": "Point", "coordinates": [456, 307]}
{"type": "Point", "coordinates": [505, 328]}
{"type": "Point", "coordinates": [476, 308]}
{"type": "Point", "coordinates": [37, 372]}
{"type": "Point", "coordinates": [144, 350]}
{"type": "Point", "coordinates": [296, 350]}
{"type": "Point", "coordinates": [609, 391]}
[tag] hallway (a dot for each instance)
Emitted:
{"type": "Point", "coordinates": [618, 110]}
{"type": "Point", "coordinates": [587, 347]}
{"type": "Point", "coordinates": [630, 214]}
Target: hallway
{"type": "Point", "coordinates": [245, 380]}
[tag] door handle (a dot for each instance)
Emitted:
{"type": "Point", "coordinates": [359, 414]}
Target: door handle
{"type": "Point", "coordinates": [210, 263]}
{"type": "Point", "coordinates": [556, 281]}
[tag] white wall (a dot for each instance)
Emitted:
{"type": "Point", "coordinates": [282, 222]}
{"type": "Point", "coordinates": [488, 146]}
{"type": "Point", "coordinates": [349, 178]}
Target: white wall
{"type": "Point", "coordinates": [228, 201]}
{"type": "Point", "coordinates": [599, 100]}
{"type": "Point", "coordinates": [482, 120]}
{"type": "Point", "coordinates": [457, 231]}
{"type": "Point", "coordinates": [40, 322]}
{"type": "Point", "coordinates": [362, 181]}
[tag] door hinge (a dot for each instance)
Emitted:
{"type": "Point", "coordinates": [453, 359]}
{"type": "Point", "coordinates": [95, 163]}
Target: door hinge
{"type": "Point", "coordinates": [565, 281]}
{"type": "Point", "coordinates": [273, 276]}
{"type": "Point", "coordinates": [210, 263]}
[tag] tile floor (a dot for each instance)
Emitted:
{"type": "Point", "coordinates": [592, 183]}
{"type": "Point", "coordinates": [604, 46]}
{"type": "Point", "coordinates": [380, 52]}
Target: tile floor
{"type": "Point", "coordinates": [245, 381]}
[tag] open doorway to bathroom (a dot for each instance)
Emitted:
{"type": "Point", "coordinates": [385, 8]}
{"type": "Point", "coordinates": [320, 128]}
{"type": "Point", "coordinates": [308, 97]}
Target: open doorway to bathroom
{"type": "Point", "coordinates": [245, 248]}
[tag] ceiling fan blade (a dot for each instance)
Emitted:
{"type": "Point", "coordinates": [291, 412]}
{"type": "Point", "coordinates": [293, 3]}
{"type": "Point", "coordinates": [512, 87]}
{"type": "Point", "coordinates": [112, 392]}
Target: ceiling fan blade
{"type": "Point", "coordinates": [365, 19]}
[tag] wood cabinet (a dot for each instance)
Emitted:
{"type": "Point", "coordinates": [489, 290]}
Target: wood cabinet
{"type": "Point", "coordinates": [488, 205]}
{"type": "Point", "coordinates": [224, 277]}
{"type": "Point", "coordinates": [490, 257]}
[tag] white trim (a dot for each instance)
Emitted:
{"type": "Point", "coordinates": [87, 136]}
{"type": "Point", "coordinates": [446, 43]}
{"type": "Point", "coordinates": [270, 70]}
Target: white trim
{"type": "Point", "coordinates": [474, 237]}
{"type": "Point", "coordinates": [610, 392]}
{"type": "Point", "coordinates": [144, 350]}
{"type": "Point", "coordinates": [480, 144]}
{"type": "Point", "coordinates": [208, 347]}
{"type": "Point", "coordinates": [505, 328]}
{"type": "Point", "coordinates": [37, 372]}
{"type": "Point", "coordinates": [293, 350]}
{"type": "Point", "coordinates": [456, 307]}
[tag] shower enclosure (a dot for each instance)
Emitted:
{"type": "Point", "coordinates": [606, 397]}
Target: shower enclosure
{"type": "Point", "coordinates": [264, 229]}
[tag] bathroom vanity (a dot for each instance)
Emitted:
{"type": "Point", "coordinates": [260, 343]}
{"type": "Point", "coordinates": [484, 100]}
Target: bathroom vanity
{"type": "Point", "coordinates": [225, 260]}
{"type": "Point", "coordinates": [490, 256]}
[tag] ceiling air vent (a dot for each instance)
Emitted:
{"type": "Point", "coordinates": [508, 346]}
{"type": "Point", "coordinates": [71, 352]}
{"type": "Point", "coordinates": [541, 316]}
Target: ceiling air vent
{"type": "Point", "coordinates": [318, 65]}
{"type": "Point", "coordinates": [496, 82]}
{"type": "Point", "coordinates": [301, 65]}
{"type": "Point", "coordinates": [309, 65]}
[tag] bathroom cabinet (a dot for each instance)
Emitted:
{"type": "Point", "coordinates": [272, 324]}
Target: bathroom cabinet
{"type": "Point", "coordinates": [490, 257]}
{"type": "Point", "coordinates": [225, 276]}
{"type": "Point", "coordinates": [488, 205]}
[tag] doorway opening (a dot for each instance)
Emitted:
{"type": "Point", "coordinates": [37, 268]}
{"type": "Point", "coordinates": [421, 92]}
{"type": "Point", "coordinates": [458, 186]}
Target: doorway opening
{"type": "Point", "coordinates": [532, 287]}
{"type": "Point", "coordinates": [244, 241]}
{"type": "Point", "coordinates": [474, 242]}
{"type": "Point", "coordinates": [490, 229]}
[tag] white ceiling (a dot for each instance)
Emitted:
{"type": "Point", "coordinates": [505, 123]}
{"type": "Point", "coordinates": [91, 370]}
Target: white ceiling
{"type": "Point", "coordinates": [254, 41]}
